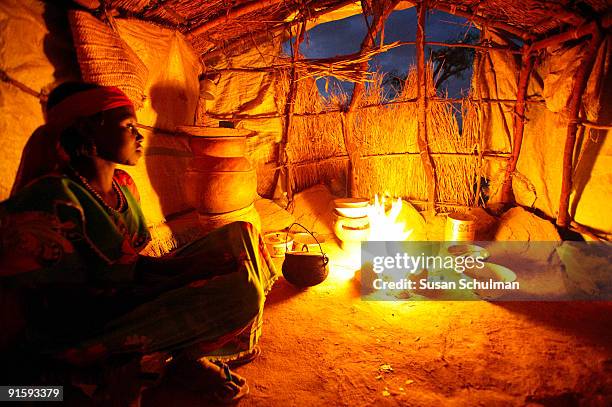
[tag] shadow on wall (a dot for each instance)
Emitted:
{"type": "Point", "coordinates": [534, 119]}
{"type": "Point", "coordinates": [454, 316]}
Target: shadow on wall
{"type": "Point", "coordinates": [58, 45]}
{"type": "Point", "coordinates": [168, 158]}
{"type": "Point", "coordinates": [592, 142]}
{"type": "Point", "coordinates": [39, 154]}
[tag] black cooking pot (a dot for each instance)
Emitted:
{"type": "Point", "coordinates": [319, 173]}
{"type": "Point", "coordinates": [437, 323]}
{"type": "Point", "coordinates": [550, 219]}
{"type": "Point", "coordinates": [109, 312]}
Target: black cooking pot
{"type": "Point", "coordinates": [305, 268]}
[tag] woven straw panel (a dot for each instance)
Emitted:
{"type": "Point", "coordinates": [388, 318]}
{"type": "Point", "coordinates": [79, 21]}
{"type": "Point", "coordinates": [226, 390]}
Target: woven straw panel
{"type": "Point", "coordinates": [135, 6]}
{"type": "Point", "coordinates": [105, 58]}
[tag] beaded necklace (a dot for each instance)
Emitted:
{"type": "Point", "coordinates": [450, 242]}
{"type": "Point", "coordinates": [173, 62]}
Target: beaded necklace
{"type": "Point", "coordinates": [121, 201]}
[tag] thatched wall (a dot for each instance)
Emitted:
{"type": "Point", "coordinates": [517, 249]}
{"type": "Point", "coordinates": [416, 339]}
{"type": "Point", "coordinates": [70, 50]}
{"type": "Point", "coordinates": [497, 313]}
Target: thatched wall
{"type": "Point", "coordinates": [315, 145]}
{"type": "Point", "coordinates": [385, 131]}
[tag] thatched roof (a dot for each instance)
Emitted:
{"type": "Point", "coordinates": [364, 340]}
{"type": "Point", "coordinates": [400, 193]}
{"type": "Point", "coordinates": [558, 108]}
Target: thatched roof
{"type": "Point", "coordinates": [536, 18]}
{"type": "Point", "coordinates": [214, 24]}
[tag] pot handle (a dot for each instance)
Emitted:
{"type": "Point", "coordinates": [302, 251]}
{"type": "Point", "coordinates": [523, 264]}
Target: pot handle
{"type": "Point", "coordinates": [325, 258]}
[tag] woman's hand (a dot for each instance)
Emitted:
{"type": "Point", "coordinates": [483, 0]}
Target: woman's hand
{"type": "Point", "coordinates": [160, 274]}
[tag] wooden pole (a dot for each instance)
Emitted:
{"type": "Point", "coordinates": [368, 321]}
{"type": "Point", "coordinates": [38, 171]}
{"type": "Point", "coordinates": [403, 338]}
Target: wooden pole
{"type": "Point", "coordinates": [511, 50]}
{"type": "Point", "coordinates": [4, 77]}
{"type": "Point", "coordinates": [259, 35]}
{"type": "Point", "coordinates": [573, 34]}
{"type": "Point", "coordinates": [581, 78]}
{"type": "Point", "coordinates": [234, 13]}
{"type": "Point", "coordinates": [485, 156]}
{"type": "Point", "coordinates": [255, 37]}
{"type": "Point", "coordinates": [587, 231]}
{"type": "Point", "coordinates": [484, 21]}
{"type": "Point", "coordinates": [527, 61]}
{"type": "Point", "coordinates": [264, 116]}
{"type": "Point", "coordinates": [422, 108]}
{"type": "Point", "coordinates": [285, 170]}
{"type": "Point", "coordinates": [352, 149]}
{"type": "Point", "coordinates": [586, 123]}
{"type": "Point", "coordinates": [479, 173]}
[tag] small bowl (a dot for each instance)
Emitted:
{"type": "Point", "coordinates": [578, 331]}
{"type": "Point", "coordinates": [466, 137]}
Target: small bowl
{"type": "Point", "coordinates": [351, 203]}
{"type": "Point", "coordinates": [278, 243]}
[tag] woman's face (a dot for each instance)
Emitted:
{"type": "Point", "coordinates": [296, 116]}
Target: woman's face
{"type": "Point", "coordinates": [117, 139]}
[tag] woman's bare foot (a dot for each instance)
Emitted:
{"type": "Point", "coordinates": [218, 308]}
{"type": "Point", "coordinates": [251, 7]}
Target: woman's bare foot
{"type": "Point", "coordinates": [203, 376]}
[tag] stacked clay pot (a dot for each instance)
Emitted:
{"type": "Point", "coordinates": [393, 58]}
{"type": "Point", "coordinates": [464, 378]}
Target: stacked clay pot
{"type": "Point", "coordinates": [351, 222]}
{"type": "Point", "coordinates": [221, 181]}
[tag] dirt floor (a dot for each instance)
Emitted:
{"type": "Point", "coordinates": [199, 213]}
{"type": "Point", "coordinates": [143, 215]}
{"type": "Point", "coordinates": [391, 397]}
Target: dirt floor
{"type": "Point", "coordinates": [326, 346]}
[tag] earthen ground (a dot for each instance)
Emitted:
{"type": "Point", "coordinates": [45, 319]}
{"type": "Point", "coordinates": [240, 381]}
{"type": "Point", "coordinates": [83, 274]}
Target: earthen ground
{"type": "Point", "coordinates": [325, 346]}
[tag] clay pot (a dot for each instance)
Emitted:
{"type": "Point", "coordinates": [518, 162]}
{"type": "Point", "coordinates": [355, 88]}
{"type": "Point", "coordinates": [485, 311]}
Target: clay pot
{"type": "Point", "coordinates": [216, 141]}
{"type": "Point", "coordinates": [220, 184]}
{"type": "Point", "coordinates": [351, 207]}
{"type": "Point", "coordinates": [220, 178]}
{"type": "Point", "coordinates": [351, 229]}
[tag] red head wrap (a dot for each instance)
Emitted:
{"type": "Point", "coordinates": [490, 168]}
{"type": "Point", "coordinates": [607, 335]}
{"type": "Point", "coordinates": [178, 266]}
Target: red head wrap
{"type": "Point", "coordinates": [84, 104]}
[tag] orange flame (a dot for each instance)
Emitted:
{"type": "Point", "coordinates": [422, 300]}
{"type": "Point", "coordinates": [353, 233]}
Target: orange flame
{"type": "Point", "coordinates": [385, 226]}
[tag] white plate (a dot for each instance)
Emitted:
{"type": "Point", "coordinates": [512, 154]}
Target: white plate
{"type": "Point", "coordinates": [491, 271]}
{"type": "Point", "coordinates": [467, 250]}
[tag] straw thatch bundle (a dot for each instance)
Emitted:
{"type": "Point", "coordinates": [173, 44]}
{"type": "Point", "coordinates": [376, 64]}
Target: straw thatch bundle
{"type": "Point", "coordinates": [132, 5]}
{"type": "Point", "coordinates": [455, 174]}
{"type": "Point", "coordinates": [105, 58]}
{"type": "Point", "coordinates": [472, 118]}
{"type": "Point", "coordinates": [388, 136]}
{"type": "Point", "coordinates": [344, 68]}
{"type": "Point", "coordinates": [223, 28]}
{"type": "Point", "coordinates": [315, 143]}
{"type": "Point", "coordinates": [386, 133]}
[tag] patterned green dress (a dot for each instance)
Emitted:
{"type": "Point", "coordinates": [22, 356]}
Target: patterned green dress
{"type": "Point", "coordinates": [86, 295]}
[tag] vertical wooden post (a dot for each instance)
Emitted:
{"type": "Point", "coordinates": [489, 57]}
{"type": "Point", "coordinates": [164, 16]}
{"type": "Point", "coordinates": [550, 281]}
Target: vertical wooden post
{"type": "Point", "coordinates": [285, 170]}
{"type": "Point", "coordinates": [479, 173]}
{"type": "Point", "coordinates": [352, 149]}
{"type": "Point", "coordinates": [581, 78]}
{"type": "Point", "coordinates": [527, 60]}
{"type": "Point", "coordinates": [480, 145]}
{"type": "Point", "coordinates": [422, 107]}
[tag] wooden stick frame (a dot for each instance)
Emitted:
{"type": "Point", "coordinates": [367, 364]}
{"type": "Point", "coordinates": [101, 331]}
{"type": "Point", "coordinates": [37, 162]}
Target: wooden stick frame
{"type": "Point", "coordinates": [232, 14]}
{"type": "Point", "coordinates": [527, 54]}
{"type": "Point", "coordinates": [358, 91]}
{"type": "Point", "coordinates": [579, 85]}
{"type": "Point", "coordinates": [422, 140]}
{"type": "Point", "coordinates": [284, 176]}
{"type": "Point", "coordinates": [527, 62]}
